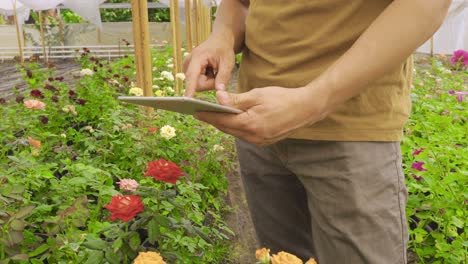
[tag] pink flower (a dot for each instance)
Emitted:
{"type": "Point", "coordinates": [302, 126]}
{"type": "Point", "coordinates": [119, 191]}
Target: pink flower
{"type": "Point", "coordinates": [418, 151]}
{"type": "Point", "coordinates": [460, 97]}
{"type": "Point", "coordinates": [128, 185]}
{"type": "Point", "coordinates": [460, 56]}
{"type": "Point", "coordinates": [418, 165]}
{"type": "Point", "coordinates": [34, 104]}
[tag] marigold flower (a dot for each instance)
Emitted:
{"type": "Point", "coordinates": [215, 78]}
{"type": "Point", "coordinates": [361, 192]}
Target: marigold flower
{"type": "Point", "coordinates": [263, 255]}
{"type": "Point", "coordinates": [34, 104]}
{"type": "Point", "coordinates": [34, 143]}
{"type": "Point", "coordinates": [128, 185]}
{"type": "Point", "coordinates": [149, 258]}
{"type": "Point", "coordinates": [167, 132]}
{"type": "Point", "coordinates": [136, 91]}
{"type": "Point", "coordinates": [285, 258]}
{"type": "Point", "coordinates": [125, 207]}
{"type": "Point", "coordinates": [163, 170]}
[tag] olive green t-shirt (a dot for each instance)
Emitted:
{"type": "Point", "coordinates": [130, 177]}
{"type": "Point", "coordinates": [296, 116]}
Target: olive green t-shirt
{"type": "Point", "coordinates": [290, 43]}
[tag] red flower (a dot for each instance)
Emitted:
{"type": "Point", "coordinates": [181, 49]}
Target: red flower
{"type": "Point", "coordinates": [163, 170]}
{"type": "Point", "coordinates": [152, 130]}
{"type": "Point", "coordinates": [416, 177]}
{"type": "Point", "coordinates": [418, 151]}
{"type": "Point", "coordinates": [418, 166]}
{"type": "Point", "coordinates": [37, 93]}
{"type": "Point", "coordinates": [44, 120]}
{"type": "Point", "coordinates": [81, 101]}
{"type": "Point", "coordinates": [125, 207]}
{"type": "Point", "coordinates": [71, 93]}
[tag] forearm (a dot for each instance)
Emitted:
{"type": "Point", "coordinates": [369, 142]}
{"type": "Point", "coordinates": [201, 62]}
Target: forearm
{"type": "Point", "coordinates": [230, 23]}
{"type": "Point", "coordinates": [390, 39]}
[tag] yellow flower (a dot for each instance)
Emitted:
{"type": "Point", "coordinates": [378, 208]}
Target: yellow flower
{"type": "Point", "coordinates": [136, 91]}
{"type": "Point", "coordinates": [149, 258]}
{"type": "Point", "coordinates": [263, 255]}
{"type": "Point", "coordinates": [159, 93]}
{"type": "Point", "coordinates": [167, 132]}
{"type": "Point", "coordinates": [285, 258]}
{"type": "Point", "coordinates": [311, 261]}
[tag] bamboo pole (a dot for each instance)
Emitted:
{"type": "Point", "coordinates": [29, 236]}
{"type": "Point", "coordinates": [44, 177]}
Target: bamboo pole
{"type": "Point", "coordinates": [20, 46]}
{"type": "Point", "coordinates": [196, 23]}
{"type": "Point", "coordinates": [176, 44]}
{"type": "Point", "coordinates": [188, 25]}
{"type": "Point", "coordinates": [41, 27]}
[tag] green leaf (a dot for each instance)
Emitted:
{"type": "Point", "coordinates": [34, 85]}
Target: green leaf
{"type": "Point", "coordinates": [23, 212]}
{"type": "Point", "coordinates": [153, 231]}
{"type": "Point", "coordinates": [15, 159]}
{"type": "Point", "coordinates": [112, 257]}
{"type": "Point", "coordinates": [39, 250]}
{"type": "Point", "coordinates": [17, 225]}
{"type": "Point", "coordinates": [117, 244]}
{"type": "Point", "coordinates": [134, 241]}
{"type": "Point", "coordinates": [457, 222]}
{"type": "Point", "coordinates": [20, 257]}
{"type": "Point", "coordinates": [95, 256]}
{"type": "Point", "coordinates": [96, 244]}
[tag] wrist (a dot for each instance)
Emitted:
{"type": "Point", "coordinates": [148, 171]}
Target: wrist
{"type": "Point", "coordinates": [317, 100]}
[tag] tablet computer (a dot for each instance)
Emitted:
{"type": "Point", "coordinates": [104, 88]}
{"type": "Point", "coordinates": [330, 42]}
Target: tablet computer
{"type": "Point", "coordinates": [184, 105]}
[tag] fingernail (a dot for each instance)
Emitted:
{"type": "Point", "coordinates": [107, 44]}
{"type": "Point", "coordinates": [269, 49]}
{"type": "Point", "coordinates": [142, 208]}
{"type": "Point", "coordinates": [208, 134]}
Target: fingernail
{"type": "Point", "coordinates": [223, 97]}
{"type": "Point", "coordinates": [221, 87]}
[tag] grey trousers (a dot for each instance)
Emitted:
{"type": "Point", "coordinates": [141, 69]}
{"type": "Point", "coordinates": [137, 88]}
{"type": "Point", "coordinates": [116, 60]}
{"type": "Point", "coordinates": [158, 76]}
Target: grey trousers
{"type": "Point", "coordinates": [340, 202]}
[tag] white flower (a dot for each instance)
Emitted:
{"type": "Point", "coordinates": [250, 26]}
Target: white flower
{"type": "Point", "coordinates": [136, 91]}
{"type": "Point", "coordinates": [69, 109]}
{"type": "Point", "coordinates": [186, 54]}
{"type": "Point", "coordinates": [114, 82]}
{"type": "Point", "coordinates": [155, 86]}
{"type": "Point", "coordinates": [167, 75]}
{"type": "Point", "coordinates": [169, 89]}
{"type": "Point", "coordinates": [170, 65]}
{"type": "Point", "coordinates": [181, 76]}
{"type": "Point", "coordinates": [170, 60]}
{"type": "Point", "coordinates": [218, 148]}
{"type": "Point", "coordinates": [155, 68]}
{"type": "Point", "coordinates": [89, 128]}
{"type": "Point", "coordinates": [63, 135]}
{"type": "Point", "coordinates": [86, 71]}
{"type": "Point", "coordinates": [167, 132]}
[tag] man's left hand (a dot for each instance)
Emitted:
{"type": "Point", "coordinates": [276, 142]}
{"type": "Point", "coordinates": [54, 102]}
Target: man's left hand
{"type": "Point", "coordinates": [270, 113]}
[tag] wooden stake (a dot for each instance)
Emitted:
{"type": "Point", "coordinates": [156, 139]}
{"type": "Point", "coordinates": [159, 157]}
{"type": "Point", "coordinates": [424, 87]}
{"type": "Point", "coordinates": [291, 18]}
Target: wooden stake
{"type": "Point", "coordinates": [196, 22]}
{"type": "Point", "coordinates": [432, 46]}
{"type": "Point", "coordinates": [176, 44]}
{"type": "Point", "coordinates": [188, 25]}
{"type": "Point", "coordinates": [41, 27]}
{"type": "Point", "coordinates": [142, 49]}
{"type": "Point", "coordinates": [20, 46]}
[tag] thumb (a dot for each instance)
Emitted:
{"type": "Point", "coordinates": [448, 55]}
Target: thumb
{"type": "Point", "coordinates": [223, 75]}
{"type": "Point", "coordinates": [241, 101]}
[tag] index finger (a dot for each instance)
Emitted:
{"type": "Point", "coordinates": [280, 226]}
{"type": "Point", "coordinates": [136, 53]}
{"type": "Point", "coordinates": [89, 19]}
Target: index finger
{"type": "Point", "coordinates": [194, 70]}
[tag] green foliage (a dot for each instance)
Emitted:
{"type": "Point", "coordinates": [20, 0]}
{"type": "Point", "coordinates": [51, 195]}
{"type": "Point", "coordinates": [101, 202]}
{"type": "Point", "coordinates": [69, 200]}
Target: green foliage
{"type": "Point", "coordinates": [53, 195]}
{"type": "Point", "coordinates": [438, 200]}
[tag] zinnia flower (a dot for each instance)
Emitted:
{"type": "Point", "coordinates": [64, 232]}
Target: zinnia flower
{"type": "Point", "coordinates": [149, 258]}
{"type": "Point", "coordinates": [125, 207]}
{"type": "Point", "coordinates": [460, 56]}
{"type": "Point", "coordinates": [285, 258]}
{"type": "Point", "coordinates": [263, 255]}
{"type": "Point", "coordinates": [418, 151]}
{"type": "Point", "coordinates": [81, 101]}
{"type": "Point", "coordinates": [44, 120]}
{"type": "Point", "coordinates": [37, 93]}
{"type": "Point", "coordinates": [418, 166]}
{"type": "Point", "coordinates": [128, 185]}
{"type": "Point", "coordinates": [136, 91]}
{"type": "Point", "coordinates": [34, 104]}
{"type": "Point", "coordinates": [163, 170]}
{"type": "Point", "coordinates": [167, 132]}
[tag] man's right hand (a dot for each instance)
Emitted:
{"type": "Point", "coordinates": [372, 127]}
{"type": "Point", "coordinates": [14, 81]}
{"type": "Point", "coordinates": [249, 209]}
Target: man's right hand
{"type": "Point", "coordinates": [209, 66]}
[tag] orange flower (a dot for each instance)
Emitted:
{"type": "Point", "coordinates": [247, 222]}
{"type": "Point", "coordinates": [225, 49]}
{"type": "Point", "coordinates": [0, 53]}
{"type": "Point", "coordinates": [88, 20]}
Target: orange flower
{"type": "Point", "coordinates": [285, 258]}
{"type": "Point", "coordinates": [35, 143]}
{"type": "Point", "coordinates": [311, 261]}
{"type": "Point", "coordinates": [34, 104]}
{"type": "Point", "coordinates": [149, 258]}
{"type": "Point", "coordinates": [263, 255]}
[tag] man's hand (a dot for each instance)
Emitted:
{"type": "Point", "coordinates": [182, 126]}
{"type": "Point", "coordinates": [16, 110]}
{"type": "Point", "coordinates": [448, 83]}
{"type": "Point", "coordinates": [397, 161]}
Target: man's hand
{"type": "Point", "coordinates": [209, 66]}
{"type": "Point", "coordinates": [270, 113]}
